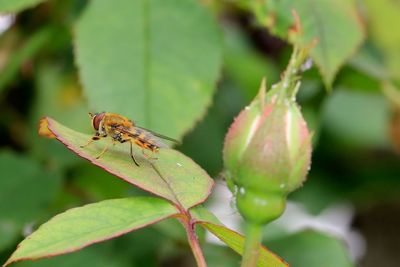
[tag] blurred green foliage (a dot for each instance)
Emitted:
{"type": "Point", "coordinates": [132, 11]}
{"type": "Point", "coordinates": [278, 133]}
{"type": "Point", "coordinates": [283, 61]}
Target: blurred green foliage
{"type": "Point", "coordinates": [334, 24]}
{"type": "Point", "coordinates": [316, 250]}
{"type": "Point", "coordinates": [51, 50]}
{"type": "Point", "coordinates": [160, 60]}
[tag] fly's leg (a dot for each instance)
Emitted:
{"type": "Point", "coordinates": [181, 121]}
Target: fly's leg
{"type": "Point", "coordinates": [93, 138]}
{"type": "Point", "coordinates": [105, 149]}
{"type": "Point", "coordinates": [133, 158]}
{"type": "Point", "coordinates": [96, 138]}
{"type": "Point", "coordinates": [147, 156]}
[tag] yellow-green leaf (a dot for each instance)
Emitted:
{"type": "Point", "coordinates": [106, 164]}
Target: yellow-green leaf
{"type": "Point", "coordinates": [83, 226]}
{"type": "Point", "coordinates": [172, 175]}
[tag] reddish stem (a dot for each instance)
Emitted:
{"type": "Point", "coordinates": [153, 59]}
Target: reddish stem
{"type": "Point", "coordinates": [189, 225]}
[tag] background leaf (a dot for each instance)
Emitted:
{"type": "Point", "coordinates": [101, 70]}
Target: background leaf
{"type": "Point", "coordinates": [160, 60]}
{"type": "Point", "coordinates": [334, 23]}
{"type": "Point", "coordinates": [17, 5]}
{"type": "Point", "coordinates": [29, 187]}
{"type": "Point", "coordinates": [381, 15]}
{"type": "Point", "coordinates": [309, 248]}
{"type": "Point", "coordinates": [172, 176]}
{"type": "Point", "coordinates": [348, 122]}
{"type": "Point", "coordinates": [80, 227]}
{"type": "Point", "coordinates": [99, 255]}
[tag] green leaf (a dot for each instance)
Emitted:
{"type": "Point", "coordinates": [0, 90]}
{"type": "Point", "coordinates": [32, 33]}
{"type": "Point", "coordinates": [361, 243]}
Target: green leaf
{"type": "Point", "coordinates": [154, 61]}
{"type": "Point", "coordinates": [344, 118]}
{"type": "Point", "coordinates": [221, 256]}
{"type": "Point", "coordinates": [233, 239]}
{"type": "Point", "coordinates": [368, 62]}
{"type": "Point", "coordinates": [149, 247]}
{"type": "Point", "coordinates": [392, 92]}
{"type": "Point", "coordinates": [81, 227]}
{"type": "Point", "coordinates": [9, 232]}
{"type": "Point", "coordinates": [29, 187]}
{"type": "Point", "coordinates": [334, 23]}
{"type": "Point", "coordinates": [309, 248]}
{"type": "Point", "coordinates": [382, 14]}
{"type": "Point", "coordinates": [98, 184]}
{"type": "Point", "coordinates": [17, 5]}
{"type": "Point", "coordinates": [172, 175]}
{"type": "Point", "coordinates": [26, 185]}
{"type": "Point", "coordinates": [99, 255]}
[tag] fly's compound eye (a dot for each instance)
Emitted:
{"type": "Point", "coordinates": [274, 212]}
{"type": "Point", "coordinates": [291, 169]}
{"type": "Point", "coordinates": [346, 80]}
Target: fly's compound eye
{"type": "Point", "coordinates": [97, 118]}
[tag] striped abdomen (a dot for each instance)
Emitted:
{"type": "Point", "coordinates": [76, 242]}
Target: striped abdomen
{"type": "Point", "coordinates": [145, 139]}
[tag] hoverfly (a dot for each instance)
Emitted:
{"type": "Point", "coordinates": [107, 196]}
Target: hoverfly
{"type": "Point", "coordinates": [122, 129]}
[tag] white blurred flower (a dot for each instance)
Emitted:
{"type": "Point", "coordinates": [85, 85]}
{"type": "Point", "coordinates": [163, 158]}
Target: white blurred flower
{"type": "Point", "coordinates": [6, 20]}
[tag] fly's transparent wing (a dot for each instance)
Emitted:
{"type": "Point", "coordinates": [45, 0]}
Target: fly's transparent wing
{"type": "Point", "coordinates": [145, 136]}
{"type": "Point", "coordinates": [159, 135]}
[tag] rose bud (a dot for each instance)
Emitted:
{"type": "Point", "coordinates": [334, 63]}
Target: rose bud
{"type": "Point", "coordinates": [267, 153]}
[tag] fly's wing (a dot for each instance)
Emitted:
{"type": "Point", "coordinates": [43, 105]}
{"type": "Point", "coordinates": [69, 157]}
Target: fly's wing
{"type": "Point", "coordinates": [159, 135]}
{"type": "Point", "coordinates": [145, 135]}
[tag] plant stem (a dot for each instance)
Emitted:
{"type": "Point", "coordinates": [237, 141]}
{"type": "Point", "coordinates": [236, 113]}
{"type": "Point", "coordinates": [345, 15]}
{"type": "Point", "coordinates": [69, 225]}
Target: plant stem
{"type": "Point", "coordinates": [251, 245]}
{"type": "Point", "coordinates": [194, 242]}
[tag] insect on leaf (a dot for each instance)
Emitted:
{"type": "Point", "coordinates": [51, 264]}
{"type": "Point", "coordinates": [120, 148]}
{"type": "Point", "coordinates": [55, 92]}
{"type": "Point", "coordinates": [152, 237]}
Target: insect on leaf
{"type": "Point", "coordinates": [171, 175]}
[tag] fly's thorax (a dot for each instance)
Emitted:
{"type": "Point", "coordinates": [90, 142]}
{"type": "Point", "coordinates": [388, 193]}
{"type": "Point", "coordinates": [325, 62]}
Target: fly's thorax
{"type": "Point", "coordinates": [116, 119]}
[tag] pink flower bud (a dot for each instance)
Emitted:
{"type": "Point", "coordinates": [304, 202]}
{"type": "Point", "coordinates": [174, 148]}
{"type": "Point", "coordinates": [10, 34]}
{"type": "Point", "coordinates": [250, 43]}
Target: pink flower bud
{"type": "Point", "coordinates": [267, 154]}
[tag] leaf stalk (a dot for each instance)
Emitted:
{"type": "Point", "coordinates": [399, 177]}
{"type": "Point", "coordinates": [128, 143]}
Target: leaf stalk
{"type": "Point", "coordinates": [189, 226]}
